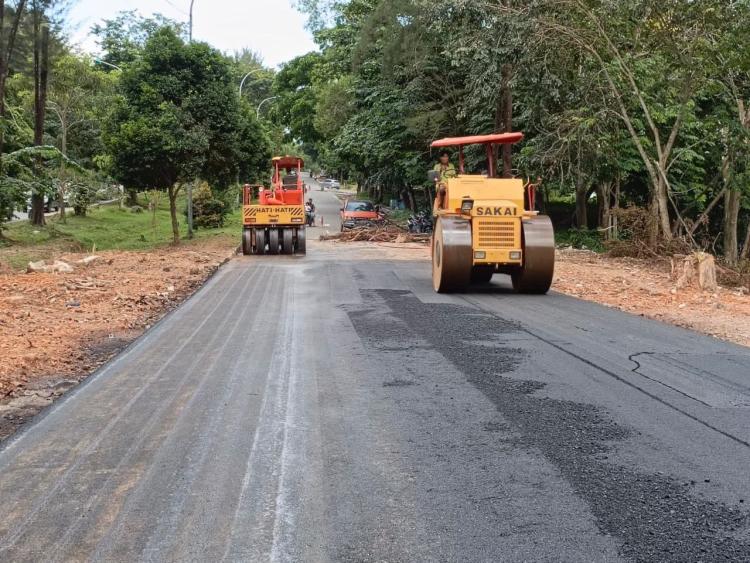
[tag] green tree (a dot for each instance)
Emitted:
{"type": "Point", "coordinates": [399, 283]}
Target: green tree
{"type": "Point", "coordinates": [37, 170]}
{"type": "Point", "coordinates": [179, 119]}
{"type": "Point", "coordinates": [41, 83]}
{"type": "Point", "coordinates": [78, 100]}
{"type": "Point", "coordinates": [253, 146]}
{"type": "Point", "coordinates": [123, 37]}
{"type": "Point", "coordinates": [247, 65]}
{"type": "Point", "coordinates": [16, 14]}
{"type": "Point", "coordinates": [296, 104]}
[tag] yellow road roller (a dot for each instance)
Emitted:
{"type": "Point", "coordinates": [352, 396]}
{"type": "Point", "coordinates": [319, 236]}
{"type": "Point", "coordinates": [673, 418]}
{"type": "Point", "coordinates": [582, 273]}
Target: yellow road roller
{"type": "Point", "coordinates": [487, 225]}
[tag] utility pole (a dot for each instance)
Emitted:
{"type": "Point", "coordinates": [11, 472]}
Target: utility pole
{"type": "Point", "coordinates": [190, 184]}
{"type": "Point", "coordinates": [190, 26]}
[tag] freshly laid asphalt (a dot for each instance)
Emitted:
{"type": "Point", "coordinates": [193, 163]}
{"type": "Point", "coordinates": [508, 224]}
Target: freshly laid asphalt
{"type": "Point", "coordinates": [333, 408]}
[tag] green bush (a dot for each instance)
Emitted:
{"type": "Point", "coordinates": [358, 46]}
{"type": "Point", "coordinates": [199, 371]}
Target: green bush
{"type": "Point", "coordinates": [82, 195]}
{"type": "Point", "coordinates": [209, 212]}
{"type": "Point", "coordinates": [11, 198]}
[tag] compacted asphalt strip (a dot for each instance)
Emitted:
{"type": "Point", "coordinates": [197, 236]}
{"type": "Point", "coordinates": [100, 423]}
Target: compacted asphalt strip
{"type": "Point", "coordinates": [333, 408]}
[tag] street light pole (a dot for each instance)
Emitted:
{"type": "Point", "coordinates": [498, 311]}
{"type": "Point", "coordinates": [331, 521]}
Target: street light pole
{"type": "Point", "coordinates": [242, 83]}
{"type": "Point", "coordinates": [257, 113]}
{"type": "Point", "coordinates": [101, 62]}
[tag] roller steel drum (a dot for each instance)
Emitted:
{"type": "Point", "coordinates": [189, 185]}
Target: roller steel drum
{"type": "Point", "coordinates": [539, 257]}
{"type": "Point", "coordinates": [451, 254]}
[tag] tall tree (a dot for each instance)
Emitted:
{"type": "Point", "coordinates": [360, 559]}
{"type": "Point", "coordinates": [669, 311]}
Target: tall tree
{"type": "Point", "coordinates": [179, 119]}
{"type": "Point", "coordinates": [123, 37]}
{"type": "Point", "coordinates": [41, 82]}
{"type": "Point", "coordinates": [77, 100]}
{"type": "Point", "coordinates": [732, 56]}
{"type": "Point", "coordinates": [7, 45]}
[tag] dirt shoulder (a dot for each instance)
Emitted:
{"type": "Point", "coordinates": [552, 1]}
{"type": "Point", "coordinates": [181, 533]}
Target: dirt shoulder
{"type": "Point", "coordinates": [57, 328]}
{"type": "Point", "coordinates": [646, 288]}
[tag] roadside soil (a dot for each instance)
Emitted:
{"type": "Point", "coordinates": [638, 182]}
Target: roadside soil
{"type": "Point", "coordinates": [56, 329]}
{"type": "Point", "coordinates": [646, 288]}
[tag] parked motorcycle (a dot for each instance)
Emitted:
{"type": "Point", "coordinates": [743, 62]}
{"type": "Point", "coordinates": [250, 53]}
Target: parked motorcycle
{"type": "Point", "coordinates": [420, 223]}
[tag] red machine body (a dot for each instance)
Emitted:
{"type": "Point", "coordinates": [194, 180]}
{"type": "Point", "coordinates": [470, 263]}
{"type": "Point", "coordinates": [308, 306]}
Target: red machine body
{"type": "Point", "coordinates": [287, 187]}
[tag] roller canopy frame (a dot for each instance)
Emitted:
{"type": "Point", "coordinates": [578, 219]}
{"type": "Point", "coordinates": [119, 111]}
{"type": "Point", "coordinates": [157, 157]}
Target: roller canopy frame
{"type": "Point", "coordinates": [488, 140]}
{"type": "Point", "coordinates": [288, 162]}
{"type": "Point", "coordinates": [495, 139]}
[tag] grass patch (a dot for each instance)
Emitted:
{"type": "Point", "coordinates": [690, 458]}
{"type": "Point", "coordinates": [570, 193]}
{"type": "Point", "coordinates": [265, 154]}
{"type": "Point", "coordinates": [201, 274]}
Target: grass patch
{"type": "Point", "coordinates": [106, 227]}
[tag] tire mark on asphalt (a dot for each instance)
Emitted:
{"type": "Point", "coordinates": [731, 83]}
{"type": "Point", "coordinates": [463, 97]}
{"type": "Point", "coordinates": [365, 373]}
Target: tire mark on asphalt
{"type": "Point", "coordinates": [157, 544]}
{"type": "Point", "coordinates": [216, 283]}
{"type": "Point", "coordinates": [285, 514]}
{"type": "Point", "coordinates": [149, 430]}
{"type": "Point", "coordinates": [637, 370]}
{"type": "Point", "coordinates": [42, 500]}
{"type": "Point", "coordinates": [624, 381]}
{"type": "Point", "coordinates": [244, 542]}
{"type": "Point", "coordinates": [650, 395]}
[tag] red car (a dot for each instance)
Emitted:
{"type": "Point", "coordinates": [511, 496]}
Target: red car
{"type": "Point", "coordinates": [358, 212]}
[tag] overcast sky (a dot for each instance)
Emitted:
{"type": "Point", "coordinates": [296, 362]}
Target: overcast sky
{"type": "Point", "coordinates": [270, 27]}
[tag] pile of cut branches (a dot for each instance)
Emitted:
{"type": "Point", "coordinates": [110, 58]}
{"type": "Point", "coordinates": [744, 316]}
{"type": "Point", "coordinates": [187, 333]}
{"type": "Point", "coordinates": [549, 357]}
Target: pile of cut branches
{"type": "Point", "coordinates": [377, 234]}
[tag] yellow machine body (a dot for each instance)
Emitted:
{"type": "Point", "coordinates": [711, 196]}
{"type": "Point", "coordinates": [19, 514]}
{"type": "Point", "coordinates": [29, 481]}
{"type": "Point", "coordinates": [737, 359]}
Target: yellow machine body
{"type": "Point", "coordinates": [273, 215]}
{"type": "Point", "coordinates": [482, 226]}
{"type": "Point", "coordinates": [496, 214]}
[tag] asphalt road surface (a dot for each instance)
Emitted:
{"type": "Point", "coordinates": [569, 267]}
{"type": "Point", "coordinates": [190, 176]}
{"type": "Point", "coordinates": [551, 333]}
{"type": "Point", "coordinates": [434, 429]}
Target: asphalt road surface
{"type": "Point", "coordinates": [327, 210]}
{"type": "Point", "coordinates": [333, 408]}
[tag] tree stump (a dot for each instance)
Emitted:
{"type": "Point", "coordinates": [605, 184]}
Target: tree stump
{"type": "Point", "coordinates": [698, 269]}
